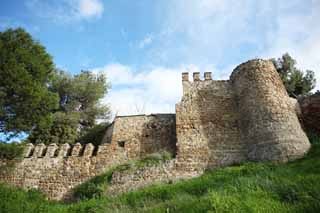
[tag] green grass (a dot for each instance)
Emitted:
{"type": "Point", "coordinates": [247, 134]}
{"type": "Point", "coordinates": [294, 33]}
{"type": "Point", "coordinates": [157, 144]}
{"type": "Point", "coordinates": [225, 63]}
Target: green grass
{"type": "Point", "coordinates": [250, 187]}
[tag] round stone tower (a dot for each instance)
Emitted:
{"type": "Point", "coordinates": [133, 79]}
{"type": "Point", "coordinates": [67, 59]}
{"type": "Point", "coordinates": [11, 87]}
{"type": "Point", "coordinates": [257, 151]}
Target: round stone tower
{"type": "Point", "coordinates": [267, 120]}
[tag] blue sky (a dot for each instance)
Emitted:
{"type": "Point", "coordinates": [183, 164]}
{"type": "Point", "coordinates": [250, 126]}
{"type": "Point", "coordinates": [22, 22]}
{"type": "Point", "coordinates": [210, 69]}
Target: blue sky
{"type": "Point", "coordinates": [144, 45]}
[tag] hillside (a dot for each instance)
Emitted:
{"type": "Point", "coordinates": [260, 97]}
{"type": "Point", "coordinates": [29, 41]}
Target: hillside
{"type": "Point", "coordinates": [250, 187]}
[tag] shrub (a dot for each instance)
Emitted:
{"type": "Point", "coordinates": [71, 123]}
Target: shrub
{"type": "Point", "coordinates": [95, 134]}
{"type": "Point", "coordinates": [313, 137]}
{"type": "Point", "coordinates": [10, 151]}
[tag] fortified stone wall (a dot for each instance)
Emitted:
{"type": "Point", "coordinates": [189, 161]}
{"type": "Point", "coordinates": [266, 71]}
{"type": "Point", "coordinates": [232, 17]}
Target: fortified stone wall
{"type": "Point", "coordinates": [207, 129]}
{"type": "Point", "coordinates": [310, 110]}
{"type": "Point", "coordinates": [217, 123]}
{"type": "Point", "coordinates": [56, 170]}
{"type": "Point", "coordinates": [140, 135]}
{"type": "Point", "coordinates": [268, 121]}
{"type": "Point", "coordinates": [249, 117]}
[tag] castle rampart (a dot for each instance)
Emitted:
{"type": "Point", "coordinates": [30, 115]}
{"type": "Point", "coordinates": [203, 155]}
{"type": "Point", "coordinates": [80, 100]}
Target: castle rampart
{"type": "Point", "coordinates": [144, 134]}
{"type": "Point", "coordinates": [268, 122]}
{"type": "Point", "coordinates": [207, 128]}
{"type": "Point", "coordinates": [217, 123]}
{"type": "Point", "coordinates": [249, 117]}
{"type": "Point", "coordinates": [56, 170]}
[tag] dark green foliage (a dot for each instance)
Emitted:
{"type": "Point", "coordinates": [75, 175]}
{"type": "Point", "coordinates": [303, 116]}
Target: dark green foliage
{"type": "Point", "coordinates": [26, 70]}
{"type": "Point", "coordinates": [82, 93]}
{"type": "Point", "coordinates": [296, 81]}
{"type": "Point", "coordinates": [62, 129]}
{"type": "Point", "coordinates": [10, 151]}
{"type": "Point", "coordinates": [251, 187]}
{"type": "Point", "coordinates": [79, 108]}
{"type": "Point", "coordinates": [95, 134]}
{"type": "Point", "coordinates": [313, 137]}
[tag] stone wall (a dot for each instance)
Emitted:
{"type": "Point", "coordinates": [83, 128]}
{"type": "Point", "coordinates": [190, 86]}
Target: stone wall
{"type": "Point", "coordinates": [144, 134]}
{"type": "Point", "coordinates": [56, 170]}
{"type": "Point", "coordinates": [132, 179]}
{"type": "Point", "coordinates": [217, 123]}
{"type": "Point", "coordinates": [207, 130]}
{"type": "Point", "coordinates": [268, 121]}
{"type": "Point", "coordinates": [310, 110]}
{"type": "Point", "coordinates": [249, 117]}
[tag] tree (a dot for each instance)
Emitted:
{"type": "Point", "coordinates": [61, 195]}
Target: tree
{"type": "Point", "coordinates": [295, 81]}
{"type": "Point", "coordinates": [78, 111]}
{"type": "Point", "coordinates": [26, 71]}
{"type": "Point", "coordinates": [82, 94]}
{"type": "Point", "coordinates": [62, 129]}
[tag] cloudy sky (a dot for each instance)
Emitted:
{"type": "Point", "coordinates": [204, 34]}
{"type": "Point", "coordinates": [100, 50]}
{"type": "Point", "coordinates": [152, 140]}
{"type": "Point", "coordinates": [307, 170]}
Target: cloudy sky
{"type": "Point", "coordinates": [144, 45]}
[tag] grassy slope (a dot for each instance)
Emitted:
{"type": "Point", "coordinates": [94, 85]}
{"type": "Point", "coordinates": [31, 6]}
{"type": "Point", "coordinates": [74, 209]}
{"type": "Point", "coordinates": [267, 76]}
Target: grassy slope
{"type": "Point", "coordinates": [251, 187]}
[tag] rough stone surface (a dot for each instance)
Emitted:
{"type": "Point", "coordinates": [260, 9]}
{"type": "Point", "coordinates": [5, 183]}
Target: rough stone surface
{"type": "Point", "coordinates": [217, 123]}
{"type": "Point", "coordinates": [310, 110]}
{"type": "Point", "coordinates": [267, 121]}
{"type": "Point", "coordinates": [57, 175]}
{"type": "Point", "coordinates": [57, 170]}
{"type": "Point", "coordinates": [144, 134]}
{"type": "Point", "coordinates": [128, 180]}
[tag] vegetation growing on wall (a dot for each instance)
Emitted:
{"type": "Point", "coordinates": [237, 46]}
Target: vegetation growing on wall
{"type": "Point", "coordinates": [95, 187]}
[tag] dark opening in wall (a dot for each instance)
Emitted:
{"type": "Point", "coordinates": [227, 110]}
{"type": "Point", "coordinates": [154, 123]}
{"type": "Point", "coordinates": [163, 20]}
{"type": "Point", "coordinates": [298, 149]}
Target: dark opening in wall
{"type": "Point", "coordinates": [31, 153]}
{"type": "Point", "coordinates": [44, 151]}
{"type": "Point", "coordinates": [121, 143]}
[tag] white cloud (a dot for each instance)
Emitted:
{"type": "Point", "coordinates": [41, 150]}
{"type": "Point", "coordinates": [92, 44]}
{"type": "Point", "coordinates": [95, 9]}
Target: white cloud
{"type": "Point", "coordinates": [228, 32]}
{"type": "Point", "coordinates": [145, 41]}
{"type": "Point", "coordinates": [118, 74]}
{"type": "Point", "coordinates": [155, 90]}
{"type": "Point", "coordinates": [299, 35]}
{"type": "Point", "coordinates": [90, 8]}
{"type": "Point", "coordinates": [66, 11]}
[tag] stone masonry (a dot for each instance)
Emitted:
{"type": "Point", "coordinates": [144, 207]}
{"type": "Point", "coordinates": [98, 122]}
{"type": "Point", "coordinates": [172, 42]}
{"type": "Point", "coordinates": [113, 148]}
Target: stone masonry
{"type": "Point", "coordinates": [310, 112]}
{"type": "Point", "coordinates": [144, 134]}
{"type": "Point", "coordinates": [249, 117]}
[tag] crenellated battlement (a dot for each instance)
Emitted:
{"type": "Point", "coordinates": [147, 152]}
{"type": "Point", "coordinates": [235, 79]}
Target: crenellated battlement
{"type": "Point", "coordinates": [197, 83]}
{"type": "Point", "coordinates": [60, 151]}
{"type": "Point", "coordinates": [207, 76]}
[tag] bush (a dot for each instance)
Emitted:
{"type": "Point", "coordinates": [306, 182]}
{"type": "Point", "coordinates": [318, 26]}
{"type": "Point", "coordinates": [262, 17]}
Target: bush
{"type": "Point", "coordinates": [313, 137]}
{"type": "Point", "coordinates": [10, 151]}
{"type": "Point", "coordinates": [95, 134]}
